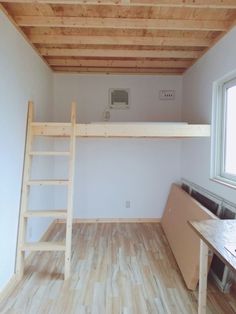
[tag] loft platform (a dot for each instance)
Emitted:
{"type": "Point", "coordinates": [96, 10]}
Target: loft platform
{"type": "Point", "coordinates": [73, 130]}
{"type": "Point", "coordinates": [123, 130]}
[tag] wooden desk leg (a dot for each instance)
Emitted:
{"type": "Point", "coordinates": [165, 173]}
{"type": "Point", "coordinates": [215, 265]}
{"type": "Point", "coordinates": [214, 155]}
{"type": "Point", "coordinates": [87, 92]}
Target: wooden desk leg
{"type": "Point", "coordinates": [202, 292]}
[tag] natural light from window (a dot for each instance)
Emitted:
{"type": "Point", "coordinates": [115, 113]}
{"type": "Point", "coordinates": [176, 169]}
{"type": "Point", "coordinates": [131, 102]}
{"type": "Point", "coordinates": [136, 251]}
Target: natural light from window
{"type": "Point", "coordinates": [230, 136]}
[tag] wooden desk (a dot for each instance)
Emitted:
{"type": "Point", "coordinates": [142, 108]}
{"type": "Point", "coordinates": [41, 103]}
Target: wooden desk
{"type": "Point", "coordinates": [215, 235]}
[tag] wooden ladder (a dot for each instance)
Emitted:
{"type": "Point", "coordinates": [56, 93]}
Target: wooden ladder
{"type": "Point", "coordinates": [26, 213]}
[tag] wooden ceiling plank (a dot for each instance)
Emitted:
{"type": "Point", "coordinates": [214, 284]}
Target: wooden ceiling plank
{"type": "Point", "coordinates": [120, 23]}
{"type": "Point", "coordinates": [120, 63]}
{"type": "Point", "coordinates": [112, 11]}
{"type": "Point", "coordinates": [209, 4]}
{"type": "Point", "coordinates": [57, 31]}
{"type": "Point", "coordinates": [66, 52]}
{"type": "Point", "coordinates": [205, 4]}
{"type": "Point", "coordinates": [118, 40]}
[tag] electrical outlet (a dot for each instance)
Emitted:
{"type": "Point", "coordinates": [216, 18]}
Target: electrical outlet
{"type": "Point", "coordinates": [106, 115]}
{"type": "Point", "coordinates": [167, 95]}
{"type": "Point", "coordinates": [127, 204]}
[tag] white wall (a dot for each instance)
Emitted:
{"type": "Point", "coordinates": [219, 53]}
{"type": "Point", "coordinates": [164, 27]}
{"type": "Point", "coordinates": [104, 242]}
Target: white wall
{"type": "Point", "coordinates": [91, 95]}
{"type": "Point", "coordinates": [197, 107]}
{"type": "Point", "coordinates": [23, 76]}
{"type": "Point", "coordinates": [110, 172]}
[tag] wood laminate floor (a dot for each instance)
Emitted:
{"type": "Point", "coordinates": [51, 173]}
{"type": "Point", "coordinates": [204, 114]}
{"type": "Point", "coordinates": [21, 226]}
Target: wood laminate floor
{"type": "Point", "coordinates": [116, 268]}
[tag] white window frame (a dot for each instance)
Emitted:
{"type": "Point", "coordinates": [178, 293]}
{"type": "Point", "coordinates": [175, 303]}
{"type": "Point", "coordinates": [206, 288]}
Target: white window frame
{"type": "Point", "coordinates": [218, 143]}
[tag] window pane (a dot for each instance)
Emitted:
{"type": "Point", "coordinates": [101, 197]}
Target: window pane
{"type": "Point", "coordinates": [230, 148]}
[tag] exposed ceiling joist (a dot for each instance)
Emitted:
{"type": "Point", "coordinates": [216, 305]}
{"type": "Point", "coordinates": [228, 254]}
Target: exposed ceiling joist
{"type": "Point", "coordinates": [137, 36]}
{"type": "Point", "coordinates": [119, 53]}
{"type": "Point", "coordinates": [119, 63]}
{"type": "Point", "coordinates": [118, 70]}
{"type": "Point", "coordinates": [118, 40]}
{"type": "Point", "coordinates": [119, 23]}
{"type": "Point", "coordinates": [212, 4]}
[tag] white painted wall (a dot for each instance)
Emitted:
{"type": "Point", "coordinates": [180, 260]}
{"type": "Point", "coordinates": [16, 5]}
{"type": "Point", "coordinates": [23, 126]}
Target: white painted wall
{"type": "Point", "coordinates": [23, 76]}
{"type": "Point", "coordinates": [197, 107]}
{"type": "Point", "coordinates": [110, 172]}
{"type": "Point", "coordinates": [91, 94]}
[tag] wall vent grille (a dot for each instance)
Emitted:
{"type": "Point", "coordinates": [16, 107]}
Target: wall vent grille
{"type": "Point", "coordinates": [119, 98]}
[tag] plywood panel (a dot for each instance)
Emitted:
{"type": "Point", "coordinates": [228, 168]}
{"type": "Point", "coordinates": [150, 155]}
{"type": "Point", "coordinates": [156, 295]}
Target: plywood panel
{"type": "Point", "coordinates": [184, 242]}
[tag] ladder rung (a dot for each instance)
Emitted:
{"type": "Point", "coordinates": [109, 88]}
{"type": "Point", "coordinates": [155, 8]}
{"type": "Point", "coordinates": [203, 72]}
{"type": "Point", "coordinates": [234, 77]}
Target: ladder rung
{"type": "Point", "coordinates": [38, 153]}
{"type": "Point", "coordinates": [51, 124]}
{"type": "Point", "coordinates": [44, 246]}
{"type": "Point", "coordinates": [51, 129]}
{"type": "Point", "coordinates": [46, 213]}
{"type": "Point", "coordinates": [48, 182]}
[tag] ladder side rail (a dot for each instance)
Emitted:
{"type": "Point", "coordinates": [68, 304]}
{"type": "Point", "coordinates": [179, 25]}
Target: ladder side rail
{"type": "Point", "coordinates": [70, 192]}
{"type": "Point", "coordinates": [24, 194]}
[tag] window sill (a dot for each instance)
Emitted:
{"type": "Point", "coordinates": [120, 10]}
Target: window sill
{"type": "Point", "coordinates": [225, 182]}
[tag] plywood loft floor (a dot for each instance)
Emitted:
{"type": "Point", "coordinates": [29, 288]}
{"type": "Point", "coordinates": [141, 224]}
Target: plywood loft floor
{"type": "Point", "coordinates": [116, 268]}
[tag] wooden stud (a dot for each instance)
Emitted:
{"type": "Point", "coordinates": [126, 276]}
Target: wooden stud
{"type": "Point", "coordinates": [24, 195]}
{"type": "Point", "coordinates": [202, 294]}
{"type": "Point", "coordinates": [70, 192]}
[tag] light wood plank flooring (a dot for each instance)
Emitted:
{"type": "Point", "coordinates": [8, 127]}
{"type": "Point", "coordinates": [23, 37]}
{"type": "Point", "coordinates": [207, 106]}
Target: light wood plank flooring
{"type": "Point", "coordinates": [116, 268]}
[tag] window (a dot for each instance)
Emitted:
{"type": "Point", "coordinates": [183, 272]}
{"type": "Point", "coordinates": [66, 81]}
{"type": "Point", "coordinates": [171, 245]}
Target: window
{"type": "Point", "coordinates": [224, 131]}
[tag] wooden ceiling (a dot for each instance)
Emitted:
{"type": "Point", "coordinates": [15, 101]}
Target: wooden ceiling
{"type": "Point", "coordinates": [122, 36]}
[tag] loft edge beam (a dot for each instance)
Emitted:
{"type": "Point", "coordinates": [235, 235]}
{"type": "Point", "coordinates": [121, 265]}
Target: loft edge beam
{"type": "Point", "coordinates": [138, 130]}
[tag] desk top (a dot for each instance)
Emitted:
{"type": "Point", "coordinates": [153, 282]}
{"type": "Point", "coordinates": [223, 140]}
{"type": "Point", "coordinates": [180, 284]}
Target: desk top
{"type": "Point", "coordinates": [218, 234]}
